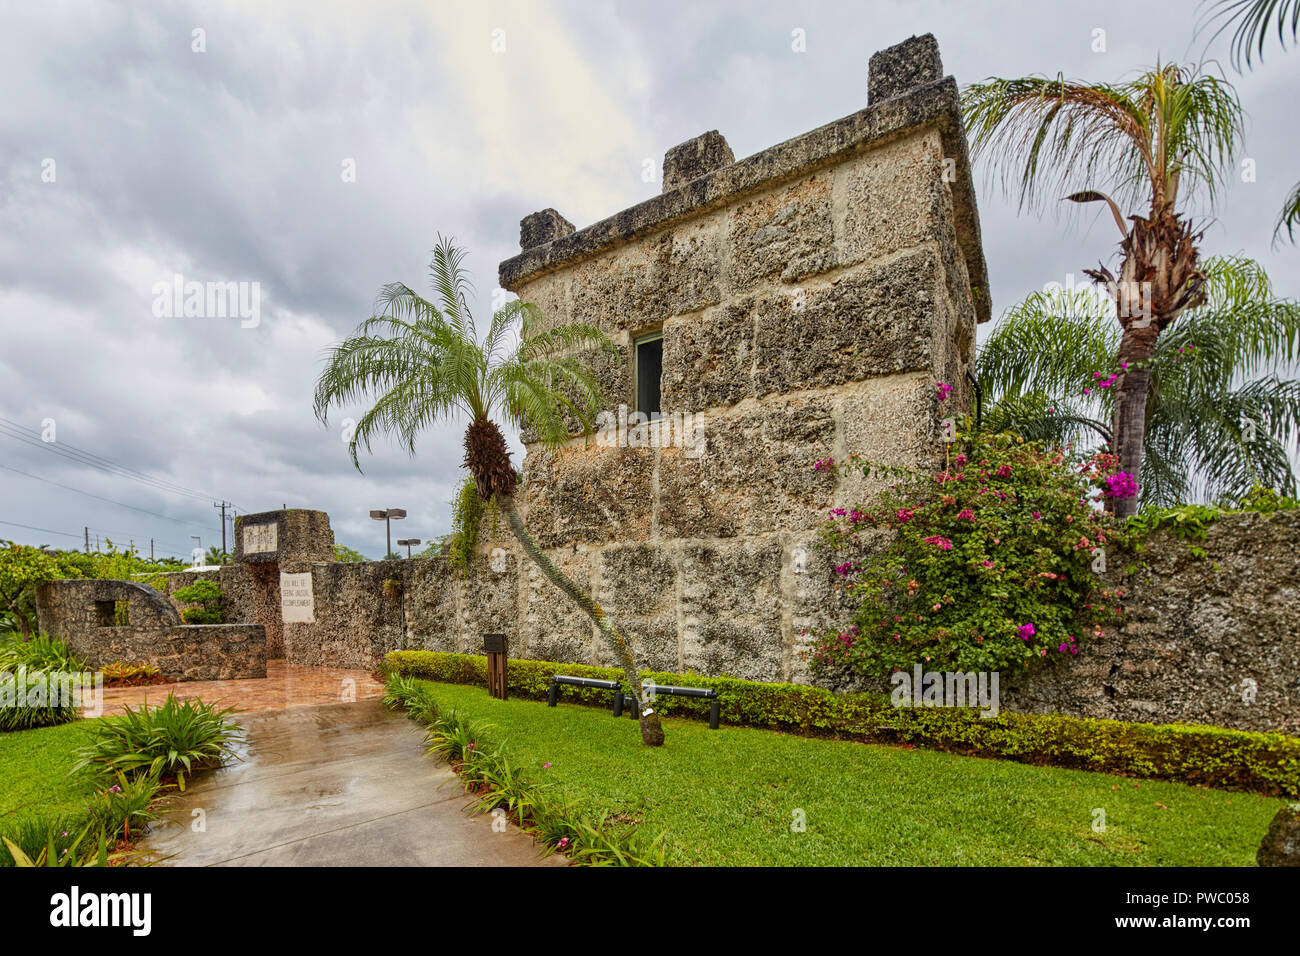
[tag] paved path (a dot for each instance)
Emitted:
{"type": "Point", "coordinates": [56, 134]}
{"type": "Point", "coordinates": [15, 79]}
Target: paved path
{"type": "Point", "coordinates": [285, 685]}
{"type": "Point", "coordinates": [336, 785]}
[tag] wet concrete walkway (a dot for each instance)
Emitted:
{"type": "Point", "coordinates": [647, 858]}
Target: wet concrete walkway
{"type": "Point", "coordinates": [285, 685]}
{"type": "Point", "coordinates": [336, 785]}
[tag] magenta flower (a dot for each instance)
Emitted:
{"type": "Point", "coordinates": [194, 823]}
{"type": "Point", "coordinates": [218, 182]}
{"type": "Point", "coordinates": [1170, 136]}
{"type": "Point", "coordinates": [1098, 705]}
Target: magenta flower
{"type": "Point", "coordinates": [965, 515]}
{"type": "Point", "coordinates": [1121, 485]}
{"type": "Point", "coordinates": [943, 389]}
{"type": "Point", "coordinates": [564, 841]}
{"type": "Point", "coordinates": [942, 543]}
{"type": "Point", "coordinates": [1025, 631]}
{"type": "Point", "coordinates": [904, 515]}
{"type": "Point", "coordinates": [546, 766]}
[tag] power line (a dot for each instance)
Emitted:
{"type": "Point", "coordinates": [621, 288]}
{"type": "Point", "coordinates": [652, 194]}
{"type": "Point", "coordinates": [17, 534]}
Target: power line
{"type": "Point", "coordinates": [19, 432]}
{"type": "Point", "coordinates": [110, 501]}
{"type": "Point", "coordinates": [69, 534]}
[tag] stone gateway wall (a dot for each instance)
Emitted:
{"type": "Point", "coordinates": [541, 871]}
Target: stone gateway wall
{"type": "Point", "coordinates": [82, 613]}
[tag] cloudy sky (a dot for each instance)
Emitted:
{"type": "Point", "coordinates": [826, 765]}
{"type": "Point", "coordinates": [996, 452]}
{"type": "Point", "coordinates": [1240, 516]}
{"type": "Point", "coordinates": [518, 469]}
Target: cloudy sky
{"type": "Point", "coordinates": [318, 148]}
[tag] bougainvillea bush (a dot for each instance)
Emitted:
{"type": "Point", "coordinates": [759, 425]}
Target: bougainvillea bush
{"type": "Point", "coordinates": [990, 565]}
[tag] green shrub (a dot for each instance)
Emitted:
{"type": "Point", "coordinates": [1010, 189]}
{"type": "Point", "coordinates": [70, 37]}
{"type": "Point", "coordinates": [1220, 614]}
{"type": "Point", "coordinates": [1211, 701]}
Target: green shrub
{"type": "Point", "coordinates": [41, 652]}
{"type": "Point", "coordinates": [172, 739]}
{"type": "Point", "coordinates": [87, 848]}
{"type": "Point", "coordinates": [36, 698]}
{"type": "Point", "coordinates": [1212, 756]}
{"type": "Point", "coordinates": [987, 565]}
{"type": "Point", "coordinates": [207, 595]}
{"type": "Point", "coordinates": [467, 513]}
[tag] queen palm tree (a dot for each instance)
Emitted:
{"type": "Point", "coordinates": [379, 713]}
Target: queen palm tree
{"type": "Point", "coordinates": [424, 364]}
{"type": "Point", "coordinates": [1252, 22]}
{"type": "Point", "coordinates": [1154, 142]}
{"type": "Point", "coordinates": [1220, 418]}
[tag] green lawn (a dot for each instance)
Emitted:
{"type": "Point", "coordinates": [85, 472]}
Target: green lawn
{"type": "Point", "coordinates": [34, 780]}
{"type": "Point", "coordinates": [730, 796]}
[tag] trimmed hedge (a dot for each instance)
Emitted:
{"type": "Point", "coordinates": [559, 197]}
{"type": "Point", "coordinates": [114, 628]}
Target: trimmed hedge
{"type": "Point", "coordinates": [1211, 756]}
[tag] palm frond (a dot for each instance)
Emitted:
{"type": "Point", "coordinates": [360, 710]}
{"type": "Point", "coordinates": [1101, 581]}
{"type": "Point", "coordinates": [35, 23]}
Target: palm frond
{"type": "Point", "coordinates": [1252, 22]}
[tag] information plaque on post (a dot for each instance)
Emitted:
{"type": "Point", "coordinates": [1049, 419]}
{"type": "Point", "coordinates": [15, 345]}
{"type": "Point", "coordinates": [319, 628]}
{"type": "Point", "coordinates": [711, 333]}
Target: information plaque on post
{"type": "Point", "coordinates": [495, 647]}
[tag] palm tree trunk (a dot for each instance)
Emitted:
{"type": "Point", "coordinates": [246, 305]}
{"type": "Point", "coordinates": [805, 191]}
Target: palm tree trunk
{"type": "Point", "coordinates": [1137, 346]}
{"type": "Point", "coordinates": [652, 734]}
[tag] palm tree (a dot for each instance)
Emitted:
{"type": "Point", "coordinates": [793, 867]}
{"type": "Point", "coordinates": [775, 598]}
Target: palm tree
{"type": "Point", "coordinates": [1154, 141]}
{"type": "Point", "coordinates": [426, 364]}
{"type": "Point", "coordinates": [1253, 21]}
{"type": "Point", "coordinates": [1219, 421]}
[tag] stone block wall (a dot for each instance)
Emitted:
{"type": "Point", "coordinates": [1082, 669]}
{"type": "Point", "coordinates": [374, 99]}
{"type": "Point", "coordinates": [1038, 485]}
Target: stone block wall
{"type": "Point", "coordinates": [1211, 639]}
{"type": "Point", "coordinates": [81, 612]}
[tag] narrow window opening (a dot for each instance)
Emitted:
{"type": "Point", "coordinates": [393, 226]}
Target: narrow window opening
{"type": "Point", "coordinates": [649, 374]}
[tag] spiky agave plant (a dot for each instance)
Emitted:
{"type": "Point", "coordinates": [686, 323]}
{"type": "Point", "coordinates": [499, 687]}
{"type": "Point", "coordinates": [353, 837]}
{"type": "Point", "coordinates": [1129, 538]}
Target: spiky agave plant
{"type": "Point", "coordinates": [423, 363]}
{"type": "Point", "coordinates": [1153, 141]}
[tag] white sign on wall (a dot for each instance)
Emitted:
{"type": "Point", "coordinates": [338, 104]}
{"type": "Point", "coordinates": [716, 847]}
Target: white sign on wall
{"type": "Point", "coordinates": [260, 538]}
{"type": "Point", "coordinates": [296, 603]}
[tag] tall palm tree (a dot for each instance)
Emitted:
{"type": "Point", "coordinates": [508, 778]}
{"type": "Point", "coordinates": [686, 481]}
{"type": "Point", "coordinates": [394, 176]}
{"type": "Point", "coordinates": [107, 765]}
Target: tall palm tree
{"type": "Point", "coordinates": [1154, 142]}
{"type": "Point", "coordinates": [1252, 22]}
{"type": "Point", "coordinates": [1220, 418]}
{"type": "Point", "coordinates": [424, 363]}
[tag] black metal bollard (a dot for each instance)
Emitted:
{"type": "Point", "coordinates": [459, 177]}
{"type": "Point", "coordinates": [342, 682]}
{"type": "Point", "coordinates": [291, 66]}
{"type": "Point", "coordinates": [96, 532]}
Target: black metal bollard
{"type": "Point", "coordinates": [552, 693]}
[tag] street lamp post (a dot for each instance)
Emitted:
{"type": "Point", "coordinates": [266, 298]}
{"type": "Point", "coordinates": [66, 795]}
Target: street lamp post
{"type": "Point", "coordinates": [408, 542]}
{"type": "Point", "coordinates": [386, 516]}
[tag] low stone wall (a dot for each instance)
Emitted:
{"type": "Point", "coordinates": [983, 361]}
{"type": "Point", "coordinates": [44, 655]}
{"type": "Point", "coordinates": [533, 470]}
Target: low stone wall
{"type": "Point", "coordinates": [186, 652]}
{"type": "Point", "coordinates": [1205, 640]}
{"type": "Point", "coordinates": [82, 613]}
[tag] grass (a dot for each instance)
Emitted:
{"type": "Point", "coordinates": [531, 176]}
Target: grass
{"type": "Point", "coordinates": [731, 796]}
{"type": "Point", "coordinates": [34, 768]}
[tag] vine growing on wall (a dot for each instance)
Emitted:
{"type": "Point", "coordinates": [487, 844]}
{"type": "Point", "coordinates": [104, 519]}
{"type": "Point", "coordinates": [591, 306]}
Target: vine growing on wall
{"type": "Point", "coordinates": [468, 512]}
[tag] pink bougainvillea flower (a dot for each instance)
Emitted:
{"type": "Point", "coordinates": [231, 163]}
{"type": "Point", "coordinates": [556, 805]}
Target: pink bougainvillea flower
{"type": "Point", "coordinates": [960, 459]}
{"type": "Point", "coordinates": [965, 515]}
{"type": "Point", "coordinates": [942, 543]}
{"type": "Point", "coordinates": [1121, 485]}
{"type": "Point", "coordinates": [904, 515]}
{"type": "Point", "coordinates": [943, 389]}
{"type": "Point", "coordinates": [1026, 631]}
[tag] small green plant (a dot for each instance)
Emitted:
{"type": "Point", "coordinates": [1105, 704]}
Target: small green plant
{"type": "Point", "coordinates": [125, 809]}
{"type": "Point", "coordinates": [41, 652]}
{"type": "Point", "coordinates": [123, 672]}
{"type": "Point", "coordinates": [172, 739]}
{"type": "Point", "coordinates": [207, 596]}
{"type": "Point", "coordinates": [56, 852]}
{"type": "Point", "coordinates": [392, 588]}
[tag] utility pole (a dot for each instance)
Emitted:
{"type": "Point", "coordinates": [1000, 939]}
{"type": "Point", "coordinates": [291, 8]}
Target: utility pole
{"type": "Point", "coordinates": [223, 506]}
{"type": "Point", "coordinates": [87, 541]}
{"type": "Point", "coordinates": [151, 558]}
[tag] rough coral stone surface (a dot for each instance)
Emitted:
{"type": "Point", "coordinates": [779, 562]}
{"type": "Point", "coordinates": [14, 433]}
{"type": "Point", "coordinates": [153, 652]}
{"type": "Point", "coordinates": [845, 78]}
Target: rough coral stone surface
{"type": "Point", "coordinates": [695, 158]}
{"type": "Point", "coordinates": [539, 228]}
{"type": "Point", "coordinates": [588, 494]}
{"type": "Point", "coordinates": [1205, 640]}
{"type": "Point", "coordinates": [638, 589]}
{"type": "Point", "coordinates": [870, 323]}
{"type": "Point", "coordinates": [788, 234]}
{"type": "Point", "coordinates": [756, 475]}
{"type": "Point", "coordinates": [731, 608]}
{"type": "Point", "coordinates": [903, 67]}
{"type": "Point", "coordinates": [1281, 844]}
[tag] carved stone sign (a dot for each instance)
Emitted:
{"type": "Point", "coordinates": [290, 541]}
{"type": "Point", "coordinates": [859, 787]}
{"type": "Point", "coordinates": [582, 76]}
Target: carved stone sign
{"type": "Point", "coordinates": [260, 538]}
{"type": "Point", "coordinates": [296, 603]}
